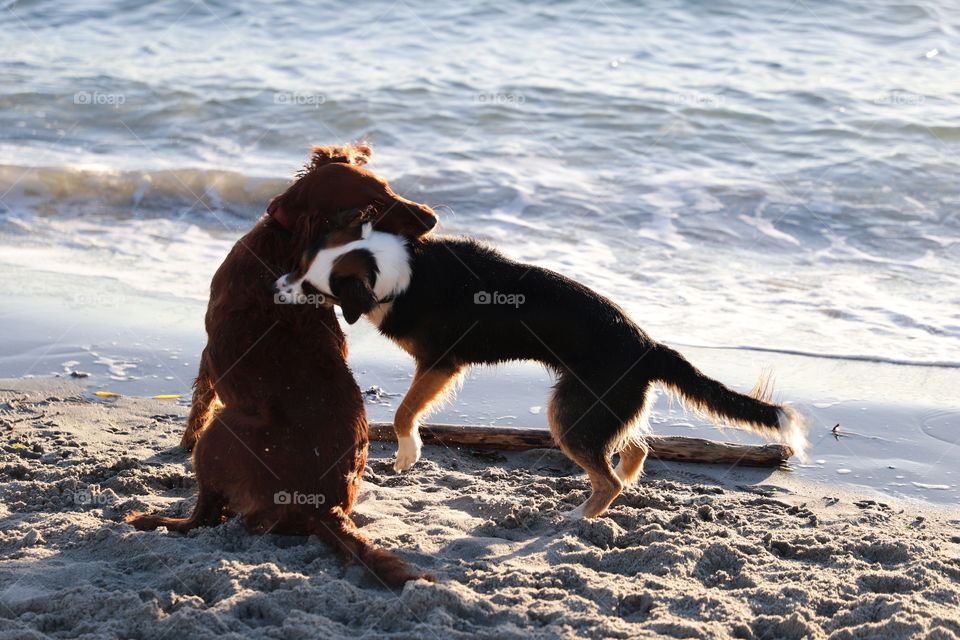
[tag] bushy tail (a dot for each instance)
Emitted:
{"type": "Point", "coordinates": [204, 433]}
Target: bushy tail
{"type": "Point", "coordinates": [389, 568]}
{"type": "Point", "coordinates": [723, 405]}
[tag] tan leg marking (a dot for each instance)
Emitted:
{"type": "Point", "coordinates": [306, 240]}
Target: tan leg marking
{"type": "Point", "coordinates": [605, 487]}
{"type": "Point", "coordinates": [604, 483]}
{"type": "Point", "coordinates": [428, 385]}
{"type": "Point", "coordinates": [631, 462]}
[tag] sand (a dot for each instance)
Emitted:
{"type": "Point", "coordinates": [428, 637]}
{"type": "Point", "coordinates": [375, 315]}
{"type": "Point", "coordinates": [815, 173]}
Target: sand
{"type": "Point", "coordinates": [693, 551]}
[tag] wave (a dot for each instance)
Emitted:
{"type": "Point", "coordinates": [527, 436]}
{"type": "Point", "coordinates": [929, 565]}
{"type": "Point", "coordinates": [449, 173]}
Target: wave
{"type": "Point", "coordinates": [196, 194]}
{"type": "Point", "coordinates": [947, 364]}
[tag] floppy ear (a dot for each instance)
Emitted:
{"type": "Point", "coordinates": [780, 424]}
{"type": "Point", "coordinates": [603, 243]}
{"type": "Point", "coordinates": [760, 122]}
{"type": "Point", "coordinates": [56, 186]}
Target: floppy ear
{"type": "Point", "coordinates": [352, 277]}
{"type": "Point", "coordinates": [405, 218]}
{"type": "Point", "coordinates": [355, 294]}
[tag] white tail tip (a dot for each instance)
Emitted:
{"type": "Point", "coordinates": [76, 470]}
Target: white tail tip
{"type": "Point", "coordinates": [793, 431]}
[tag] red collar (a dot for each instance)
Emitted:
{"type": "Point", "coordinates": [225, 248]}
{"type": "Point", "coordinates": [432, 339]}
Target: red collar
{"type": "Point", "coordinates": [275, 211]}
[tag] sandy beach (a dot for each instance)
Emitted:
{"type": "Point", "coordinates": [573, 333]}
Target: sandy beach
{"type": "Point", "coordinates": [693, 551]}
{"type": "Point", "coordinates": [769, 188]}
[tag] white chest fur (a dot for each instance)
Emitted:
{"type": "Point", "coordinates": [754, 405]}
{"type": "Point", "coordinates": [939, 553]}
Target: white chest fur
{"type": "Point", "coordinates": [393, 266]}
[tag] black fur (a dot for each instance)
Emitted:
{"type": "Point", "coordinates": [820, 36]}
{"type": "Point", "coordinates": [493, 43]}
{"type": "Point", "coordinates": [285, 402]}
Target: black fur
{"type": "Point", "coordinates": [605, 363]}
{"type": "Point", "coordinates": [354, 289]}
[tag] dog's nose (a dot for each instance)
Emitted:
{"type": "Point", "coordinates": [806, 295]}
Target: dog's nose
{"type": "Point", "coordinates": [427, 217]}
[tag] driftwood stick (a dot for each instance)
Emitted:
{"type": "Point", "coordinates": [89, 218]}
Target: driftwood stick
{"type": "Point", "coordinates": [679, 448]}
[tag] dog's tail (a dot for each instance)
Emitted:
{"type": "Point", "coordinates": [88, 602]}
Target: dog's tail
{"type": "Point", "coordinates": [340, 532]}
{"type": "Point", "coordinates": [754, 412]}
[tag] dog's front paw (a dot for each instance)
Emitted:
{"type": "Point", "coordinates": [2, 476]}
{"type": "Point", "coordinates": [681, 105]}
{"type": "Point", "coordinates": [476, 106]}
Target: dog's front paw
{"type": "Point", "coordinates": [286, 291]}
{"type": "Point", "coordinates": [408, 453]}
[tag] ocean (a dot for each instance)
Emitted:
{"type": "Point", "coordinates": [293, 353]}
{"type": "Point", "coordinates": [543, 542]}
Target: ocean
{"type": "Point", "coordinates": [769, 183]}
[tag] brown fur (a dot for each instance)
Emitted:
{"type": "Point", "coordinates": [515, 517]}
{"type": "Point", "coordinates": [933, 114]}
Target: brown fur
{"type": "Point", "coordinates": [292, 418]}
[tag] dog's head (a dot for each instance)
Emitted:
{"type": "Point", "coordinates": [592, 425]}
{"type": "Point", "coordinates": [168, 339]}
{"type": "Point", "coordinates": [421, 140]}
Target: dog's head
{"type": "Point", "coordinates": [335, 183]}
{"type": "Point", "coordinates": [344, 266]}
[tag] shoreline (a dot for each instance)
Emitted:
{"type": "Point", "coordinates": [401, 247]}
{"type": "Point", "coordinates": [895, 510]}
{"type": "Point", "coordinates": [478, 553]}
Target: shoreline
{"type": "Point", "coordinates": [903, 441]}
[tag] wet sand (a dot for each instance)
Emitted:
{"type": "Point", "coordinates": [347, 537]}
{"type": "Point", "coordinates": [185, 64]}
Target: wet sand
{"type": "Point", "coordinates": [900, 423]}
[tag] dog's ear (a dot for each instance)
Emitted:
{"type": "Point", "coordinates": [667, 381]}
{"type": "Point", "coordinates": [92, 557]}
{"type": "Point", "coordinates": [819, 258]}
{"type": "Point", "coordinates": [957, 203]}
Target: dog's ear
{"type": "Point", "coordinates": [352, 278]}
{"type": "Point", "coordinates": [355, 295]}
{"type": "Point", "coordinates": [356, 154]}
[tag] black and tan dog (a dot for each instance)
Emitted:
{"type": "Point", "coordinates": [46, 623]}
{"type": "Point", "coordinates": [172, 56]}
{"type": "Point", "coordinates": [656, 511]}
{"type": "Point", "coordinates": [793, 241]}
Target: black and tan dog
{"type": "Point", "coordinates": [454, 302]}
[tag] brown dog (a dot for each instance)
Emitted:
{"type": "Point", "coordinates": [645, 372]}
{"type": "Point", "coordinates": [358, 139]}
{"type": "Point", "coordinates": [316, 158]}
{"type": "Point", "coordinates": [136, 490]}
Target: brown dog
{"type": "Point", "coordinates": [286, 450]}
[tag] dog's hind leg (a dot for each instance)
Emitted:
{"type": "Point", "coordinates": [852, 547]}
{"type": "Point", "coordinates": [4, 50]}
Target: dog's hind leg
{"type": "Point", "coordinates": [208, 512]}
{"type": "Point", "coordinates": [204, 397]}
{"type": "Point", "coordinates": [631, 462]}
{"type": "Point", "coordinates": [635, 450]}
{"type": "Point", "coordinates": [604, 484]}
{"type": "Point", "coordinates": [590, 424]}
{"type": "Point", "coordinates": [429, 385]}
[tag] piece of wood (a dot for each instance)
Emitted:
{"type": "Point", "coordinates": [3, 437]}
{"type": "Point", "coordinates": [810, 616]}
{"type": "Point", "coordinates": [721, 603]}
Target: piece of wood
{"type": "Point", "coordinates": [679, 448]}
